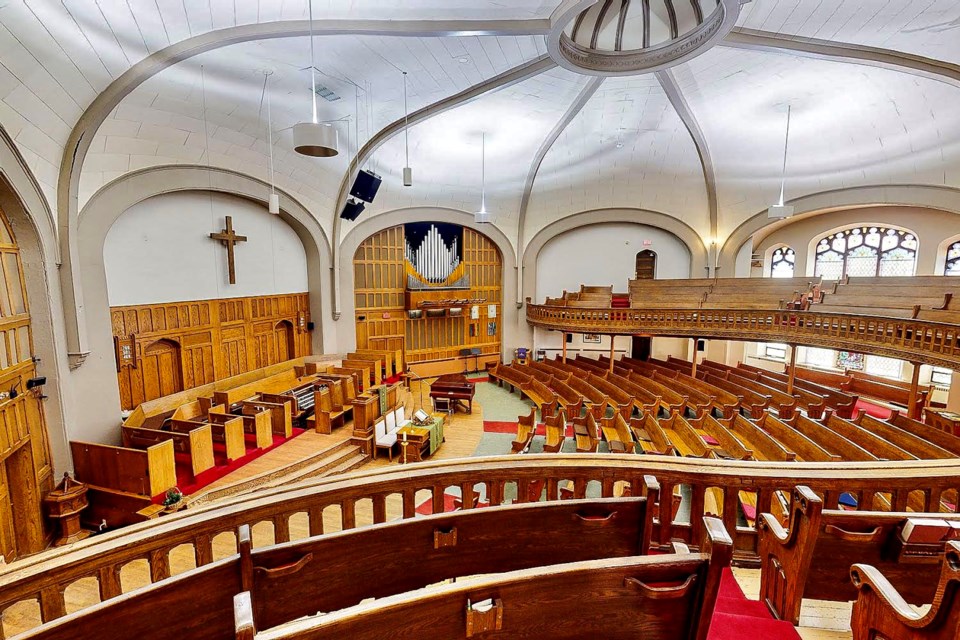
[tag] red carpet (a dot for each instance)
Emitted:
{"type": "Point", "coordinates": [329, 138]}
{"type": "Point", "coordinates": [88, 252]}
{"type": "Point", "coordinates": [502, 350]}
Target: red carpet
{"type": "Point", "coordinates": [736, 617]}
{"type": "Point", "coordinates": [188, 484]}
{"type": "Point", "coordinates": [493, 426]}
{"type": "Point", "coordinates": [881, 413]}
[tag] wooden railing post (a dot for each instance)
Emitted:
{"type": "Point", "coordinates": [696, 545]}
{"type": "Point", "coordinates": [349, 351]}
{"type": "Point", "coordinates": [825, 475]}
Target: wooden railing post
{"type": "Point", "coordinates": [792, 371]}
{"type": "Point", "coordinates": [913, 409]}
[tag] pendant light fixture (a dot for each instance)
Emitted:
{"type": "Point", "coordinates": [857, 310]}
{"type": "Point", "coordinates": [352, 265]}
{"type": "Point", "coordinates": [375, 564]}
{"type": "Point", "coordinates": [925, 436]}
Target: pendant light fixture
{"type": "Point", "coordinates": [407, 171]}
{"type": "Point", "coordinates": [273, 203]}
{"type": "Point", "coordinates": [780, 210]}
{"type": "Point", "coordinates": [482, 216]}
{"type": "Point", "coordinates": [315, 139]}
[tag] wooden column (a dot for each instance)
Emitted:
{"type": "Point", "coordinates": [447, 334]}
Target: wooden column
{"type": "Point", "coordinates": [612, 338]}
{"type": "Point", "coordinates": [914, 389]}
{"type": "Point", "coordinates": [564, 334]}
{"type": "Point", "coordinates": [792, 369]}
{"type": "Point", "coordinates": [693, 371]}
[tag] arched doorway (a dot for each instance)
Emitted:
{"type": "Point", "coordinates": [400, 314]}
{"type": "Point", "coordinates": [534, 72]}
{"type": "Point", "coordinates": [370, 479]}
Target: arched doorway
{"type": "Point", "coordinates": [283, 335]}
{"type": "Point", "coordinates": [646, 265]}
{"type": "Point", "coordinates": [162, 371]}
{"type": "Point", "coordinates": [25, 467]}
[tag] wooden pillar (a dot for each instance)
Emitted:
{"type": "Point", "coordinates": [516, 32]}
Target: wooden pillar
{"type": "Point", "coordinates": [792, 369]}
{"type": "Point", "coordinates": [913, 411]}
{"type": "Point", "coordinates": [693, 371]}
{"type": "Point", "coordinates": [564, 334]}
{"type": "Point", "coordinates": [612, 338]}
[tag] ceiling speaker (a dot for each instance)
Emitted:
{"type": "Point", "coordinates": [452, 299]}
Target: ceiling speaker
{"type": "Point", "coordinates": [779, 212]}
{"type": "Point", "coordinates": [352, 210]}
{"type": "Point", "coordinates": [366, 185]}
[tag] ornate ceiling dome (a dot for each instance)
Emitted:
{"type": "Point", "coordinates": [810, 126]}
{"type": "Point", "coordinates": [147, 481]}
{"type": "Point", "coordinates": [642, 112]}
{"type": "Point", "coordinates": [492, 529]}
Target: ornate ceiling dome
{"type": "Point", "coordinates": [625, 37]}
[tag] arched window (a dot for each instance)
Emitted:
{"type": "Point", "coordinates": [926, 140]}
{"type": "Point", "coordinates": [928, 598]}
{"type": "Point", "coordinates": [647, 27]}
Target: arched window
{"type": "Point", "coordinates": [866, 251]}
{"type": "Point", "coordinates": [782, 262]}
{"type": "Point", "coordinates": [952, 266]}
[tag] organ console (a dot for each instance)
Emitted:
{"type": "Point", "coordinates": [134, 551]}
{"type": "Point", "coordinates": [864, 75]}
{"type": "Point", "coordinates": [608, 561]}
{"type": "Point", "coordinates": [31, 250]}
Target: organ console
{"type": "Point", "coordinates": [452, 390]}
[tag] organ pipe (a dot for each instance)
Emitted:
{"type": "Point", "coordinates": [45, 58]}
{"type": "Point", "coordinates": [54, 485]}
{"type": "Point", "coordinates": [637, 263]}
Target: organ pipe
{"type": "Point", "coordinates": [433, 259]}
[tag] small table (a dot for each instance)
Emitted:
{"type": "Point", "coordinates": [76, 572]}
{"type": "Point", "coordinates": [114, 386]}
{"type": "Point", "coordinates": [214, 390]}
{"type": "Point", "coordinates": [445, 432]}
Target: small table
{"type": "Point", "coordinates": [414, 443]}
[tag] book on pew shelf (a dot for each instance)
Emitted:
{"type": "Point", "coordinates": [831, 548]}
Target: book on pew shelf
{"type": "Point", "coordinates": [925, 530]}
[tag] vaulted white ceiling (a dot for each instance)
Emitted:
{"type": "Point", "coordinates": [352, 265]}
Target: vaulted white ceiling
{"type": "Point", "coordinates": [627, 148]}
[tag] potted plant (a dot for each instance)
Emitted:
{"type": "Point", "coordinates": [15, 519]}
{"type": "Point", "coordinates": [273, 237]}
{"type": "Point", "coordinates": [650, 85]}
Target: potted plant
{"type": "Point", "coordinates": [173, 500]}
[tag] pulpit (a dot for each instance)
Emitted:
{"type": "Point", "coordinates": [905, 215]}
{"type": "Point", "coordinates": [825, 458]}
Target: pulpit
{"type": "Point", "coordinates": [64, 505]}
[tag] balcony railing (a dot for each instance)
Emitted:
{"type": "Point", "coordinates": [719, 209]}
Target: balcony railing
{"type": "Point", "coordinates": [932, 343]}
{"type": "Point", "coordinates": [374, 497]}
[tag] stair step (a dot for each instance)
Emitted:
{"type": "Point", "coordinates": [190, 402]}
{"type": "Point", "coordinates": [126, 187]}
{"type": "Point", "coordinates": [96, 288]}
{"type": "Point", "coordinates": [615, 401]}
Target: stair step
{"type": "Point", "coordinates": [351, 463]}
{"type": "Point", "coordinates": [743, 607]}
{"type": "Point", "coordinates": [322, 468]}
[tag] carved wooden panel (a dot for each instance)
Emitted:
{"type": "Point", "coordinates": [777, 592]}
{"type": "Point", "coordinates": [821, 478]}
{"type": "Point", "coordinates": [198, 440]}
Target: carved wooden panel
{"type": "Point", "coordinates": [164, 348]}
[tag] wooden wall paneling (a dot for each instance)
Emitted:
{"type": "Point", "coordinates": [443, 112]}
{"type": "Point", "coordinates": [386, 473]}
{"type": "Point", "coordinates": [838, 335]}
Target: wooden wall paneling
{"type": "Point", "coordinates": [380, 288]}
{"type": "Point", "coordinates": [26, 471]}
{"type": "Point", "coordinates": [175, 346]}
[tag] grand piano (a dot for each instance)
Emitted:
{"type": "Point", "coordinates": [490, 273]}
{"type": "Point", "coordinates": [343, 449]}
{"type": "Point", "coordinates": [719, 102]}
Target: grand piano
{"type": "Point", "coordinates": [452, 390]}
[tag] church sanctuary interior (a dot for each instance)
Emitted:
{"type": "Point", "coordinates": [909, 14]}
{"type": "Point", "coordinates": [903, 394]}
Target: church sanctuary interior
{"type": "Point", "coordinates": [440, 319]}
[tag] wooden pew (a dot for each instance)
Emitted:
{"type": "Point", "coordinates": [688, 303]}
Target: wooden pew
{"type": "Point", "coordinates": [650, 435]}
{"type": "Point", "coordinates": [786, 405]}
{"type": "Point", "coordinates": [555, 433]}
{"type": "Point", "coordinates": [844, 404]}
{"type": "Point", "coordinates": [812, 557]}
{"type": "Point", "coordinates": [940, 438]}
{"type": "Point", "coordinates": [121, 480]}
{"type": "Point", "coordinates": [197, 443]}
{"type": "Point", "coordinates": [229, 432]}
{"type": "Point", "coordinates": [259, 424]}
{"type": "Point", "coordinates": [764, 446]}
{"type": "Point", "coordinates": [828, 384]}
{"type": "Point", "coordinates": [831, 440]}
{"type": "Point", "coordinates": [684, 437]}
{"type": "Point", "coordinates": [910, 442]}
{"type": "Point", "coordinates": [881, 612]}
{"type": "Point", "coordinates": [526, 428]}
{"type": "Point", "coordinates": [585, 432]}
{"type": "Point", "coordinates": [371, 371]}
{"type": "Point", "coordinates": [875, 444]}
{"type": "Point", "coordinates": [617, 434]}
{"type": "Point", "coordinates": [806, 450]}
{"type": "Point", "coordinates": [886, 390]}
{"type": "Point", "coordinates": [666, 387]}
{"type": "Point", "coordinates": [612, 599]}
{"type": "Point", "coordinates": [755, 403]}
{"type": "Point", "coordinates": [727, 445]}
{"type": "Point", "coordinates": [281, 414]}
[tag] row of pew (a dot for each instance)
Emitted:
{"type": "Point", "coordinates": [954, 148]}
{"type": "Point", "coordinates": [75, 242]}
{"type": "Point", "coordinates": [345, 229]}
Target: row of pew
{"type": "Point", "coordinates": [932, 298]}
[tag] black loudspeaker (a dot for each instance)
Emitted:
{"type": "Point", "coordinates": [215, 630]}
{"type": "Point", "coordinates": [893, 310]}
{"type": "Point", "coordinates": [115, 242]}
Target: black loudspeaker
{"type": "Point", "coordinates": [701, 345]}
{"type": "Point", "coordinates": [352, 210]}
{"type": "Point", "coordinates": [569, 338]}
{"type": "Point", "coordinates": [310, 326]}
{"type": "Point", "coordinates": [366, 185]}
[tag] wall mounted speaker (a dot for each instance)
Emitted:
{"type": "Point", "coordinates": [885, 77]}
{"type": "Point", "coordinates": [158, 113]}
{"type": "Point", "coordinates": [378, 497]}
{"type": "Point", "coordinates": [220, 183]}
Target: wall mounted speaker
{"type": "Point", "coordinates": [366, 185]}
{"type": "Point", "coordinates": [701, 345]}
{"type": "Point", "coordinates": [352, 210]}
{"type": "Point", "coordinates": [310, 326]}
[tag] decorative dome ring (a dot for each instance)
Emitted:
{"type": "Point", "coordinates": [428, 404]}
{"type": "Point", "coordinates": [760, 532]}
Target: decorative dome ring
{"type": "Point", "coordinates": [630, 37]}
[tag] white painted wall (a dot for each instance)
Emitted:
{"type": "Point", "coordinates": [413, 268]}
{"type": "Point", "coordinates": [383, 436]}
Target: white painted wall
{"type": "Point", "coordinates": [605, 254]}
{"type": "Point", "coordinates": [159, 250]}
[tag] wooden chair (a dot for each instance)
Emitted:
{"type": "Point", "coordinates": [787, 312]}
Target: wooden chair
{"type": "Point", "coordinates": [526, 427]}
{"type": "Point", "coordinates": [881, 612]}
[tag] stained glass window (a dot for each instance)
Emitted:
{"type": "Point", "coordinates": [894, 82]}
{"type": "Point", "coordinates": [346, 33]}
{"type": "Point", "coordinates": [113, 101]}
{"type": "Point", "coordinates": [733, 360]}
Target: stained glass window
{"type": "Point", "coordinates": [867, 251]}
{"type": "Point", "coordinates": [952, 267]}
{"type": "Point", "coordinates": [848, 360]}
{"type": "Point", "coordinates": [782, 262]}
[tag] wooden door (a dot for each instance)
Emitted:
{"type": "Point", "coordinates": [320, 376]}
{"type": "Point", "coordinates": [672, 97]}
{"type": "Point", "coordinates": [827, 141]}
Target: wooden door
{"type": "Point", "coordinates": [284, 339]}
{"type": "Point", "coordinates": [24, 500]}
{"type": "Point", "coordinates": [641, 347]}
{"type": "Point", "coordinates": [162, 373]}
{"type": "Point", "coordinates": [646, 265]}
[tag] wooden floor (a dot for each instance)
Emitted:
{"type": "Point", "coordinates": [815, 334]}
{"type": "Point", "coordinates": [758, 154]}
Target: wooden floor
{"type": "Point", "coordinates": [463, 432]}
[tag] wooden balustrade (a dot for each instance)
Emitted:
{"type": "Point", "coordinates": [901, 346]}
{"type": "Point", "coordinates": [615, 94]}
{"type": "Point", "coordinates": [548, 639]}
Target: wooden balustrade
{"type": "Point", "coordinates": [932, 343]}
{"type": "Point", "coordinates": [45, 577]}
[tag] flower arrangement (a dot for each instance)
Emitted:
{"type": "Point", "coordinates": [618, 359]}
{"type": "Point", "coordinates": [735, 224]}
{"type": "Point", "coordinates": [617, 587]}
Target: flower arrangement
{"type": "Point", "coordinates": [173, 499]}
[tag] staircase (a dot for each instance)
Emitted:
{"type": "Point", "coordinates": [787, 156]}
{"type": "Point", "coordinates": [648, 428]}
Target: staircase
{"type": "Point", "coordinates": [735, 617]}
{"type": "Point", "coordinates": [339, 458]}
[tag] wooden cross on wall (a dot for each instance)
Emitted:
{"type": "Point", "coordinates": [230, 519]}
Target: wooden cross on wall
{"type": "Point", "coordinates": [229, 239]}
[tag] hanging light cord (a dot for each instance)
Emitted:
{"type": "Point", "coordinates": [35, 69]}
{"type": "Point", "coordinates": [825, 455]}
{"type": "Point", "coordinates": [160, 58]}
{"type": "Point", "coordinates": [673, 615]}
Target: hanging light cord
{"type": "Point", "coordinates": [786, 143]}
{"type": "Point", "coordinates": [266, 76]}
{"type": "Point", "coordinates": [313, 66]}
{"type": "Point", "coordinates": [483, 172]}
{"type": "Point", "coordinates": [406, 120]}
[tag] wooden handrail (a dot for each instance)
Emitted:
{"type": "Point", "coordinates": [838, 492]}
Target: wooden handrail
{"type": "Point", "coordinates": [932, 343]}
{"type": "Point", "coordinates": [44, 577]}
